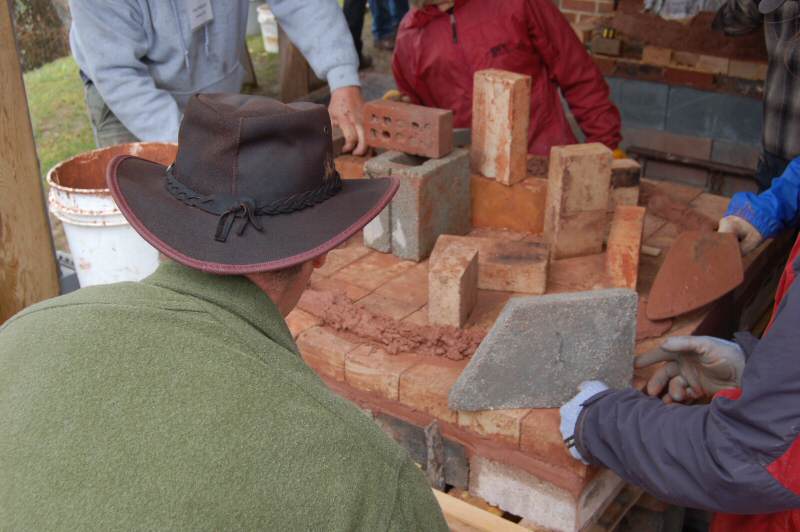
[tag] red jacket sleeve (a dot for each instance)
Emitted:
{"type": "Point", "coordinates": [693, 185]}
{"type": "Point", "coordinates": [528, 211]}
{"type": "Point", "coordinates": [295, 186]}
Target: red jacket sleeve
{"type": "Point", "coordinates": [571, 67]}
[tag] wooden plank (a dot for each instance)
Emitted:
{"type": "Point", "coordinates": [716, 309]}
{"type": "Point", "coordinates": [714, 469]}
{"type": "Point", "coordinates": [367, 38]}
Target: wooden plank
{"type": "Point", "coordinates": [293, 74]}
{"type": "Point", "coordinates": [464, 517]}
{"type": "Point", "coordinates": [27, 259]}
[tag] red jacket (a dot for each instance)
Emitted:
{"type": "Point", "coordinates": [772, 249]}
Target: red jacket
{"type": "Point", "coordinates": [438, 53]}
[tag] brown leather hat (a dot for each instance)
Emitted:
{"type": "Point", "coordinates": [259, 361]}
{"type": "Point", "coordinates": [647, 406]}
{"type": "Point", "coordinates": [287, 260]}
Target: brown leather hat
{"type": "Point", "coordinates": [253, 188]}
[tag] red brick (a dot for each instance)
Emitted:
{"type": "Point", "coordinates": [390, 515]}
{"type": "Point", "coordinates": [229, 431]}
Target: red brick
{"type": "Point", "coordinates": [541, 438]}
{"type": "Point", "coordinates": [747, 70]}
{"type": "Point", "coordinates": [414, 129]}
{"type": "Point", "coordinates": [375, 371]}
{"type": "Point", "coordinates": [500, 119]}
{"type": "Point", "coordinates": [425, 387]}
{"type": "Point", "coordinates": [325, 352]}
{"type": "Point", "coordinates": [453, 285]}
{"type": "Point", "coordinates": [625, 173]}
{"type": "Point", "coordinates": [373, 270]}
{"type": "Point", "coordinates": [690, 78]}
{"type": "Point", "coordinates": [410, 287]}
{"type": "Point", "coordinates": [500, 425]}
{"type": "Point", "coordinates": [350, 166]}
{"type": "Point", "coordinates": [624, 245]}
{"type": "Point", "coordinates": [299, 321]}
{"type": "Point", "coordinates": [341, 257]}
{"type": "Point", "coordinates": [685, 59]}
{"type": "Point", "coordinates": [654, 55]}
{"type": "Point", "coordinates": [578, 5]}
{"type": "Point", "coordinates": [607, 66]}
{"type": "Point", "coordinates": [572, 18]}
{"type": "Point", "coordinates": [519, 207]}
{"type": "Point", "coordinates": [352, 291]}
{"type": "Point", "coordinates": [605, 7]}
{"type": "Point", "coordinates": [386, 306]}
{"type": "Point", "coordinates": [577, 199]}
{"type": "Point", "coordinates": [506, 266]}
{"type": "Point", "coordinates": [623, 196]}
{"type": "Point", "coordinates": [713, 64]}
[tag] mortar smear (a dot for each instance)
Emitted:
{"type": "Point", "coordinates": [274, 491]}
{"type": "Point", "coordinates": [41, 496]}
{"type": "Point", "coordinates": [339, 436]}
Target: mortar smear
{"type": "Point", "coordinates": [339, 313]}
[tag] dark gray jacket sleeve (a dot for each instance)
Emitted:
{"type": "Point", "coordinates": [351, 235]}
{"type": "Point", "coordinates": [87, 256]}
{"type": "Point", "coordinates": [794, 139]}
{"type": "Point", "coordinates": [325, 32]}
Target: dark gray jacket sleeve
{"type": "Point", "coordinates": [716, 456]}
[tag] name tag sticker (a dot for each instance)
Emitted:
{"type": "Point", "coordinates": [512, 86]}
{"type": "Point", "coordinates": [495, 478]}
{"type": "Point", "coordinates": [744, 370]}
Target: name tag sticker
{"type": "Point", "coordinates": [199, 13]}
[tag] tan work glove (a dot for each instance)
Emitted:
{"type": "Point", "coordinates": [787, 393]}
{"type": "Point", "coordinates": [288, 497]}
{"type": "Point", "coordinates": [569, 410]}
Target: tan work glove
{"type": "Point", "coordinates": [696, 367]}
{"type": "Point", "coordinates": [748, 236]}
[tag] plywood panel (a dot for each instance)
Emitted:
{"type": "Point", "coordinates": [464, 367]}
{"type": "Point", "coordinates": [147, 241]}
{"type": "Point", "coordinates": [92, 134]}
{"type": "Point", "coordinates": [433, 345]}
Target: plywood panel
{"type": "Point", "coordinates": [27, 265]}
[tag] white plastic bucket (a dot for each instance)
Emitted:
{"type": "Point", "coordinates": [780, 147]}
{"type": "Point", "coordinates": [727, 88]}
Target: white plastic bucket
{"type": "Point", "coordinates": [269, 29]}
{"type": "Point", "coordinates": [105, 248]}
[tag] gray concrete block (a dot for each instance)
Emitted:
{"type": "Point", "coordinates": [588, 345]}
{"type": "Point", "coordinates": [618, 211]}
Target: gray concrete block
{"type": "Point", "coordinates": [642, 104]}
{"type": "Point", "coordinates": [378, 233]}
{"type": "Point", "coordinates": [736, 153]}
{"type": "Point", "coordinates": [433, 199]}
{"type": "Point", "coordinates": [715, 115]}
{"type": "Point", "coordinates": [542, 347]}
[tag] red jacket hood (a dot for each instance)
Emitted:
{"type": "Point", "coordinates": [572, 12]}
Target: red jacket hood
{"type": "Point", "coordinates": [419, 18]}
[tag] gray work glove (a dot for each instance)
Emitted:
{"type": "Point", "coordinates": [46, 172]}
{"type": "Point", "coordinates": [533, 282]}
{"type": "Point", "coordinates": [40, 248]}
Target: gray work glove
{"type": "Point", "coordinates": [571, 411]}
{"type": "Point", "coordinates": [696, 367]}
{"type": "Point", "coordinates": [748, 236]}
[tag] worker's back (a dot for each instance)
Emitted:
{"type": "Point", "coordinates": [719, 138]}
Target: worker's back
{"type": "Point", "coordinates": [180, 403]}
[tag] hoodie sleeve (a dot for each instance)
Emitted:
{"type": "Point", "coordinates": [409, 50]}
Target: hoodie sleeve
{"type": "Point", "coordinates": [580, 80]}
{"type": "Point", "coordinates": [738, 454]}
{"type": "Point", "coordinates": [320, 32]}
{"type": "Point", "coordinates": [775, 209]}
{"type": "Point", "coordinates": [111, 41]}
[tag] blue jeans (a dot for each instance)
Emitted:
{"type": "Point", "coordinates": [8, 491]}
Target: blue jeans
{"type": "Point", "coordinates": [386, 16]}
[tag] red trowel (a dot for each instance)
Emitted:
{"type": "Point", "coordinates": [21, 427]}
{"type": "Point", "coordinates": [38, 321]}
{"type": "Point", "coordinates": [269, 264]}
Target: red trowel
{"type": "Point", "coordinates": [700, 267]}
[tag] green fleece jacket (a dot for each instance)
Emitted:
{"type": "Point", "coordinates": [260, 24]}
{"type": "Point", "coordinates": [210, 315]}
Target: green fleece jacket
{"type": "Point", "coordinates": [181, 403]}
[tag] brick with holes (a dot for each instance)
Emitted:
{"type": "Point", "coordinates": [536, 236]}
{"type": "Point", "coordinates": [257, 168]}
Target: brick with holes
{"type": "Point", "coordinates": [413, 129]}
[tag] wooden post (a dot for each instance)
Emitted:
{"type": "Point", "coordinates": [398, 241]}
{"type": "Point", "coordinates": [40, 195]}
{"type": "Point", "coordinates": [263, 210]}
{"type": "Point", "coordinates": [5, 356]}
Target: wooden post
{"type": "Point", "coordinates": [27, 260]}
{"type": "Point", "coordinates": [294, 72]}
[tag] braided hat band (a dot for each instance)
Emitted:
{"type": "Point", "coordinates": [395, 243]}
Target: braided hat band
{"type": "Point", "coordinates": [230, 207]}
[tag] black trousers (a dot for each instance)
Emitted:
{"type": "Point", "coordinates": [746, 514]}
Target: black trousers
{"type": "Point", "coordinates": [354, 11]}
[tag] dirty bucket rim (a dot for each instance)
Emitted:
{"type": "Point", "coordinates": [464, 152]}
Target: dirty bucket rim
{"type": "Point", "coordinates": [52, 183]}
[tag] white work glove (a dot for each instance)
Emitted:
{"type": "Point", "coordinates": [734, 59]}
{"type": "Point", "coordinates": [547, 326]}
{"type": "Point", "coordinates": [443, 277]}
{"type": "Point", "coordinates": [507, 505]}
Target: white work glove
{"type": "Point", "coordinates": [696, 367]}
{"type": "Point", "coordinates": [748, 236]}
{"type": "Point", "coordinates": [572, 410]}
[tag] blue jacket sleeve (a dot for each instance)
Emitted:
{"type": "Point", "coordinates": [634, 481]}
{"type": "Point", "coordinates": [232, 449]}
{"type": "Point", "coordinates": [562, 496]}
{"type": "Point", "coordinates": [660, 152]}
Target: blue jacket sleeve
{"type": "Point", "coordinates": [776, 208]}
{"type": "Point", "coordinates": [714, 456]}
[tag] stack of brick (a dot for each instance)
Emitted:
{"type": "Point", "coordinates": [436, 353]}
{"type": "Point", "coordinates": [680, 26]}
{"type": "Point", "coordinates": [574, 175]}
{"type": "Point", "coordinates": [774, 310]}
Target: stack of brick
{"type": "Point", "coordinates": [434, 195]}
{"type": "Point", "coordinates": [513, 458]}
{"type": "Point", "coordinates": [579, 184]}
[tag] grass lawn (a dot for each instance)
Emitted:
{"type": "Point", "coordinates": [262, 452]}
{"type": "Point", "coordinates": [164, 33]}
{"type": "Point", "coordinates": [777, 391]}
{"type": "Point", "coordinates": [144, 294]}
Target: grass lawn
{"type": "Point", "coordinates": [61, 125]}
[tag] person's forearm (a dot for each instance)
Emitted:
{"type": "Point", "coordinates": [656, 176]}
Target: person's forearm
{"type": "Point", "coordinates": [775, 209]}
{"type": "Point", "coordinates": [319, 30]}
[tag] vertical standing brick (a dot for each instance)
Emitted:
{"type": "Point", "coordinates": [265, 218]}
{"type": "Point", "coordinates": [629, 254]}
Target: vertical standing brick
{"type": "Point", "coordinates": [500, 118]}
{"type": "Point", "coordinates": [452, 285]}
{"type": "Point", "coordinates": [433, 199]}
{"type": "Point", "coordinates": [624, 244]}
{"type": "Point", "coordinates": [579, 180]}
{"type": "Point", "coordinates": [414, 129]}
{"type": "Point", "coordinates": [626, 174]}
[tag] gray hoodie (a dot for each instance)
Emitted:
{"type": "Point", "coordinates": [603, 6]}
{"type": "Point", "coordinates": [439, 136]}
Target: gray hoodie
{"type": "Point", "coordinates": [146, 61]}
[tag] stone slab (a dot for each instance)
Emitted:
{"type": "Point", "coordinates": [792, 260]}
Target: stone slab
{"type": "Point", "coordinates": [541, 348]}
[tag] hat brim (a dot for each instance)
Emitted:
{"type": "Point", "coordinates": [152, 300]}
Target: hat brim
{"type": "Point", "coordinates": [186, 234]}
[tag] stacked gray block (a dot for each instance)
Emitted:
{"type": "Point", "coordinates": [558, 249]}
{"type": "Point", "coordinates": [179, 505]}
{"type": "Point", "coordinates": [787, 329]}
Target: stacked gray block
{"type": "Point", "coordinates": [433, 199]}
{"type": "Point", "coordinates": [542, 347]}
